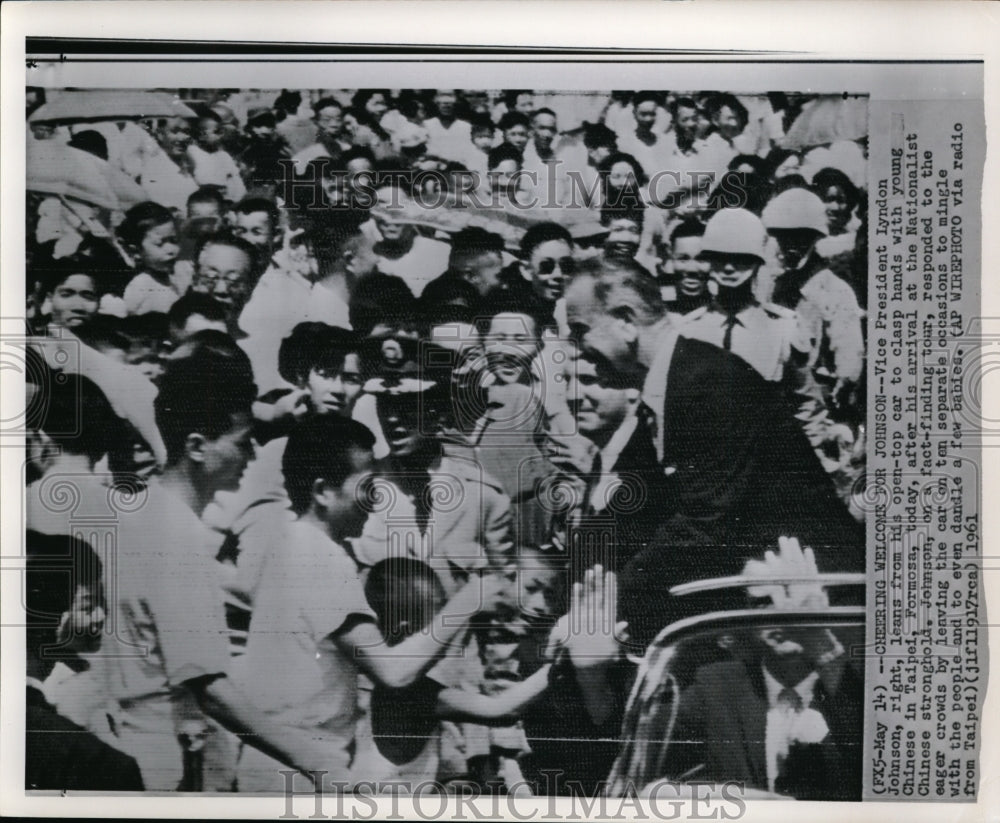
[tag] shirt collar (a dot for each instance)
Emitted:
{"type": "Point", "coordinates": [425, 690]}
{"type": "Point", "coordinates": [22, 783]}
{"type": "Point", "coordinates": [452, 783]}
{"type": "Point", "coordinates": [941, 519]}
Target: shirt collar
{"type": "Point", "coordinates": [618, 441]}
{"type": "Point", "coordinates": [805, 688]}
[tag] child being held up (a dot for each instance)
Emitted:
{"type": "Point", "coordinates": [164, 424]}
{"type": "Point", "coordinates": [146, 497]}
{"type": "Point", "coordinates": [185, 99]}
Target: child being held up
{"type": "Point", "coordinates": [149, 234]}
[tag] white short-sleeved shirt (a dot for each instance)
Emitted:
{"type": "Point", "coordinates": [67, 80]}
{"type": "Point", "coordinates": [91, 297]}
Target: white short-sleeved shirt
{"type": "Point", "coordinates": [292, 668]}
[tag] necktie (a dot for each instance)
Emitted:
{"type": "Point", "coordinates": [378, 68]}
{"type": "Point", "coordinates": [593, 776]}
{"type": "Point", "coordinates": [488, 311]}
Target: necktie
{"type": "Point", "coordinates": [596, 469]}
{"type": "Point", "coordinates": [727, 338]}
{"type": "Point", "coordinates": [790, 699]}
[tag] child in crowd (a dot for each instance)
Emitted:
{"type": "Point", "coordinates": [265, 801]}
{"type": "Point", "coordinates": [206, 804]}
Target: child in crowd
{"type": "Point", "coordinates": [399, 736]}
{"type": "Point", "coordinates": [213, 165]}
{"type": "Point", "coordinates": [309, 642]}
{"type": "Point", "coordinates": [149, 234]}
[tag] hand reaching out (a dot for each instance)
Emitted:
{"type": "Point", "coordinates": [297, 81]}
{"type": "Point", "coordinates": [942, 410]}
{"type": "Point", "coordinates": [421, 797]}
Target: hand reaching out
{"type": "Point", "coordinates": [593, 630]}
{"type": "Point", "coordinates": [791, 561]}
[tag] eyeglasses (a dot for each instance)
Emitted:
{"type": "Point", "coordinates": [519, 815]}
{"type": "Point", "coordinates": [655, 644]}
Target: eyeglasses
{"type": "Point", "coordinates": [567, 265]}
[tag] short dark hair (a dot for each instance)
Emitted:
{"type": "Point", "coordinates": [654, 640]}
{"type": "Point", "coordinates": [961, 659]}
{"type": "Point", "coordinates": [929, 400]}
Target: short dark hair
{"type": "Point", "coordinates": [473, 241]}
{"type": "Point", "coordinates": [313, 345]}
{"type": "Point", "coordinates": [140, 219]}
{"type": "Point", "coordinates": [203, 387]}
{"type": "Point", "coordinates": [226, 238]}
{"type": "Point", "coordinates": [326, 103]}
{"type": "Point", "coordinates": [689, 227]}
{"type": "Point", "coordinates": [717, 102]}
{"type": "Point", "coordinates": [644, 96]}
{"type": "Point", "coordinates": [447, 299]}
{"type": "Point", "coordinates": [542, 233]}
{"type": "Point", "coordinates": [320, 447]}
{"type": "Point", "coordinates": [378, 296]}
{"type": "Point", "coordinates": [394, 589]}
{"type": "Point", "coordinates": [505, 151]}
{"type": "Point", "coordinates": [356, 153]}
{"type": "Point", "coordinates": [77, 416]}
{"type": "Point", "coordinates": [542, 110]}
{"type": "Point", "coordinates": [829, 176]}
{"type": "Point", "coordinates": [514, 118]}
{"type": "Point", "coordinates": [479, 121]}
{"type": "Point", "coordinates": [207, 194]}
{"type": "Point", "coordinates": [512, 301]}
{"type": "Point", "coordinates": [52, 273]}
{"type": "Point", "coordinates": [56, 566]}
{"type": "Point", "coordinates": [510, 96]}
{"type": "Point", "coordinates": [252, 205]}
{"type": "Point", "coordinates": [195, 303]}
{"type": "Point", "coordinates": [597, 135]}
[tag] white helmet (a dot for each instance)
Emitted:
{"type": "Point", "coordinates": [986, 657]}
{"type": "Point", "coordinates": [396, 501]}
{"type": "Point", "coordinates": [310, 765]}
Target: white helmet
{"type": "Point", "coordinates": [796, 209]}
{"type": "Point", "coordinates": [734, 231]}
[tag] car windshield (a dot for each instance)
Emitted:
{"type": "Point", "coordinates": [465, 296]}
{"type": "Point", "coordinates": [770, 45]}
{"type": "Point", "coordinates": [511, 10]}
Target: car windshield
{"type": "Point", "coordinates": [770, 700]}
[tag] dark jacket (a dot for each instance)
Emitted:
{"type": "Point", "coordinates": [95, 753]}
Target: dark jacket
{"type": "Point", "coordinates": [59, 755]}
{"type": "Point", "coordinates": [742, 474]}
{"type": "Point", "coordinates": [722, 723]}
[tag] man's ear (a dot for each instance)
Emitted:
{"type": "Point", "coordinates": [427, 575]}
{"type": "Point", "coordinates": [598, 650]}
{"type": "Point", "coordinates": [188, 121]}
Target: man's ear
{"type": "Point", "coordinates": [321, 492]}
{"type": "Point", "coordinates": [194, 447]}
{"type": "Point", "coordinates": [626, 315]}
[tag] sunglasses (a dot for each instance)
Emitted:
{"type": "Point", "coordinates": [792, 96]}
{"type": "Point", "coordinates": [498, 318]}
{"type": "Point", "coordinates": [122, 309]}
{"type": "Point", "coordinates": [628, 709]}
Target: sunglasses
{"type": "Point", "coordinates": [567, 265]}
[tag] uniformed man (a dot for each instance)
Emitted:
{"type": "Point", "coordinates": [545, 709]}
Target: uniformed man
{"type": "Point", "coordinates": [763, 334]}
{"type": "Point", "coordinates": [828, 312]}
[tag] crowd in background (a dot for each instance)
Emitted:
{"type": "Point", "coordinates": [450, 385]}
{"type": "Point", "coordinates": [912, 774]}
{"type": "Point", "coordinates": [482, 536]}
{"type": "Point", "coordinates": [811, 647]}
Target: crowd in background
{"type": "Point", "coordinates": [388, 371]}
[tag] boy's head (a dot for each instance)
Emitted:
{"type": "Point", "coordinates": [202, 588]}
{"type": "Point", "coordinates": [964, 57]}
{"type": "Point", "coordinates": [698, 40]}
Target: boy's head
{"type": "Point", "coordinates": [391, 201]}
{"type": "Point", "coordinates": [261, 123]}
{"type": "Point", "coordinates": [544, 128]}
{"type": "Point", "coordinates": [64, 600]}
{"type": "Point", "coordinates": [175, 137]}
{"type": "Point", "coordinates": [72, 291]}
{"type": "Point", "coordinates": [482, 130]}
{"type": "Point", "coordinates": [685, 112]}
{"type": "Point", "coordinates": [521, 101]}
{"type": "Point", "coordinates": [256, 220]}
{"type": "Point", "coordinates": [209, 131]}
{"type": "Point", "coordinates": [328, 467]}
{"type": "Point", "coordinates": [547, 255]}
{"type": "Point", "coordinates": [445, 101]}
{"type": "Point", "coordinates": [74, 418]}
{"type": "Point", "coordinates": [516, 128]}
{"type": "Point", "coordinates": [645, 105]}
{"type": "Point", "coordinates": [512, 333]}
{"type": "Point", "coordinates": [328, 114]}
{"type": "Point", "coordinates": [477, 257]}
{"type": "Point", "coordinates": [193, 313]}
{"type": "Point", "coordinates": [149, 234]}
{"type": "Point", "coordinates": [624, 233]}
{"type": "Point", "coordinates": [224, 268]}
{"type": "Point", "coordinates": [405, 594]}
{"type": "Point", "coordinates": [682, 263]}
{"type": "Point", "coordinates": [323, 359]}
{"type": "Point", "coordinates": [600, 142]}
{"type": "Point", "coordinates": [203, 410]}
{"type": "Point", "coordinates": [504, 165]}
{"type": "Point", "coordinates": [207, 203]}
{"type": "Point", "coordinates": [728, 115]}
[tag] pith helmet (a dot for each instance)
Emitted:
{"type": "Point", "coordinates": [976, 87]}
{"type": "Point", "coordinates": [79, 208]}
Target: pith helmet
{"type": "Point", "coordinates": [796, 209]}
{"type": "Point", "coordinates": [734, 231]}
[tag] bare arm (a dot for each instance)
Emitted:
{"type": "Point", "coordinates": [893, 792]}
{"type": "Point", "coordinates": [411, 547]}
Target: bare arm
{"type": "Point", "coordinates": [494, 710]}
{"type": "Point", "coordinates": [225, 703]}
{"type": "Point", "coordinates": [402, 664]}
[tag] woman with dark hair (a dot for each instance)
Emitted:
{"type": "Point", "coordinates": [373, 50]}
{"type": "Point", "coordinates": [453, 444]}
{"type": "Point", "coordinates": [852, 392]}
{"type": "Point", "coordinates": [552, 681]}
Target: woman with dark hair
{"type": "Point", "coordinates": [363, 121]}
{"type": "Point", "coordinates": [622, 180]}
{"type": "Point", "coordinates": [781, 163]}
{"type": "Point", "coordinates": [841, 197]}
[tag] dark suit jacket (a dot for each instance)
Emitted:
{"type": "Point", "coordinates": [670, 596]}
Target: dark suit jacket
{"type": "Point", "coordinates": [745, 474]}
{"type": "Point", "coordinates": [60, 755]}
{"type": "Point", "coordinates": [723, 718]}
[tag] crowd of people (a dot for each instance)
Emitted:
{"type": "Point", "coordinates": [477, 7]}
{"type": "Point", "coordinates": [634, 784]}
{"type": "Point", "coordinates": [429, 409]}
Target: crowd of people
{"type": "Point", "coordinates": [408, 408]}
